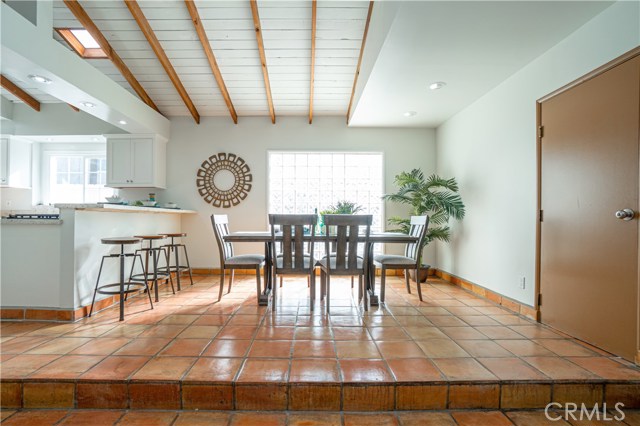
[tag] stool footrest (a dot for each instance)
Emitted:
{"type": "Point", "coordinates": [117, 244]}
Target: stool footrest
{"type": "Point", "coordinates": [137, 288]}
{"type": "Point", "coordinates": [141, 278]}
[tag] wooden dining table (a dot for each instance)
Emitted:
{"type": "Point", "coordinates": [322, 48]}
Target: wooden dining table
{"type": "Point", "coordinates": [265, 237]}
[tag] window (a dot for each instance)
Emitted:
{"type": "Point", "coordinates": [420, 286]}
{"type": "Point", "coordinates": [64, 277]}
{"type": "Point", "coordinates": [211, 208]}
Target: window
{"type": "Point", "coordinates": [78, 178]}
{"type": "Point", "coordinates": [81, 42]}
{"type": "Point", "coordinates": [300, 182]}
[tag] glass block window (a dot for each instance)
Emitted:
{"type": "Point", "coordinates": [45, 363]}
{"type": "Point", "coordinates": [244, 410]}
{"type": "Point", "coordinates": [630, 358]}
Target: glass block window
{"type": "Point", "coordinates": [300, 182]}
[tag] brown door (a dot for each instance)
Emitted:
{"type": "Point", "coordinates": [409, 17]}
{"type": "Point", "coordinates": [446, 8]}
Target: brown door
{"type": "Point", "coordinates": [589, 170]}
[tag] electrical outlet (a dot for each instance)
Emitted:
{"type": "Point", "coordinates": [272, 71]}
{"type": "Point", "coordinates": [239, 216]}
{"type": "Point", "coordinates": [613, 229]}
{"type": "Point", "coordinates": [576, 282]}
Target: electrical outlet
{"type": "Point", "coordinates": [522, 283]}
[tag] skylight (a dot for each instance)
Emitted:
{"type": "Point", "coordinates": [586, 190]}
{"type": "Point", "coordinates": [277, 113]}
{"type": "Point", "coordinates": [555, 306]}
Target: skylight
{"type": "Point", "coordinates": [81, 42]}
{"type": "Point", "coordinates": [85, 39]}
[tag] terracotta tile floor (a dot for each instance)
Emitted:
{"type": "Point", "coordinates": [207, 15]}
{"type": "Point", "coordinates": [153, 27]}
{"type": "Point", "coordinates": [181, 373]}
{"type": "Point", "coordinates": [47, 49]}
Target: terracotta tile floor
{"type": "Point", "coordinates": [452, 350]}
{"type": "Point", "coordinates": [224, 418]}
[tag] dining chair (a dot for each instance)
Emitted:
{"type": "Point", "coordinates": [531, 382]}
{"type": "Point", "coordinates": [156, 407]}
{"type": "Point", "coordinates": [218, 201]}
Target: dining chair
{"type": "Point", "coordinates": [290, 257]}
{"type": "Point", "coordinates": [347, 231]}
{"type": "Point", "coordinates": [411, 260]}
{"type": "Point", "coordinates": [230, 261]}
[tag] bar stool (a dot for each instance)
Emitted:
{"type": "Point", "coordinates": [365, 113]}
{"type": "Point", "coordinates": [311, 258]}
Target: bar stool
{"type": "Point", "coordinates": [105, 289]}
{"type": "Point", "coordinates": [177, 268]}
{"type": "Point", "coordinates": [156, 274]}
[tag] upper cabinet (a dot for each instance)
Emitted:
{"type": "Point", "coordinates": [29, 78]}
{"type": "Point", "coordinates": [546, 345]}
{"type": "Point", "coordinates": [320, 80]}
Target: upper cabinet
{"type": "Point", "coordinates": [136, 161]}
{"type": "Point", "coordinates": [15, 162]}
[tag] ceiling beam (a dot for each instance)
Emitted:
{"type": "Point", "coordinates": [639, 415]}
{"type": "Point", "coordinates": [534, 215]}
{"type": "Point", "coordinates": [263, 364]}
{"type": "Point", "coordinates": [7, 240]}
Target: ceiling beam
{"type": "Point", "coordinates": [211, 58]}
{"type": "Point", "coordinates": [146, 29]}
{"type": "Point", "coordinates": [313, 58]}
{"type": "Point", "coordinates": [88, 25]}
{"type": "Point", "coordinates": [263, 58]}
{"type": "Point", "coordinates": [364, 41]}
{"type": "Point", "coordinates": [19, 93]}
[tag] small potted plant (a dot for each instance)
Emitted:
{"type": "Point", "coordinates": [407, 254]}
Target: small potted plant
{"type": "Point", "coordinates": [435, 196]}
{"type": "Point", "coordinates": [341, 207]}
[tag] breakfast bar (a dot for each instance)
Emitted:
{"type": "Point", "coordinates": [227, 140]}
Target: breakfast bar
{"type": "Point", "coordinates": [49, 271]}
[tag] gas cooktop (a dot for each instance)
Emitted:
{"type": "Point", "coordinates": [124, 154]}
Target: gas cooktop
{"type": "Point", "coordinates": [33, 216]}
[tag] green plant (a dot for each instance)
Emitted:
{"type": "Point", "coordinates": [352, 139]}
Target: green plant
{"type": "Point", "coordinates": [435, 196]}
{"type": "Point", "coordinates": [343, 207]}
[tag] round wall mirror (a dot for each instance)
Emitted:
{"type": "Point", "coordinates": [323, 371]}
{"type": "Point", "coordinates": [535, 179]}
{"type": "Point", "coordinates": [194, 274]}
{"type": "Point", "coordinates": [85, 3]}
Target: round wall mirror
{"type": "Point", "coordinates": [224, 180]}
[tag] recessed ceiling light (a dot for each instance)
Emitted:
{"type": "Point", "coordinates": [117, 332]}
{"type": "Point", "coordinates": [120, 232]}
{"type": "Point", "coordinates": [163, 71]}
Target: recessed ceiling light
{"type": "Point", "coordinates": [49, 139]}
{"type": "Point", "coordinates": [122, 122]}
{"type": "Point", "coordinates": [95, 139]}
{"type": "Point", "coordinates": [88, 104]}
{"type": "Point", "coordinates": [410, 114]}
{"type": "Point", "coordinates": [39, 79]}
{"type": "Point", "coordinates": [437, 85]}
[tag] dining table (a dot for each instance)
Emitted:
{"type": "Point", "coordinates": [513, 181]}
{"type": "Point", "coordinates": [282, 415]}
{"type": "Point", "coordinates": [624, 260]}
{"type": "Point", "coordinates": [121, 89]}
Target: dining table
{"type": "Point", "coordinates": [265, 238]}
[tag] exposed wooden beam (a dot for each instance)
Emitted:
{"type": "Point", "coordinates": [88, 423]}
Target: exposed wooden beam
{"type": "Point", "coordinates": [146, 29]}
{"type": "Point", "coordinates": [19, 93]}
{"type": "Point", "coordinates": [211, 58]}
{"type": "Point", "coordinates": [88, 24]}
{"type": "Point", "coordinates": [313, 58]}
{"type": "Point", "coordinates": [364, 41]}
{"type": "Point", "coordinates": [263, 58]}
{"type": "Point", "coordinates": [76, 109]}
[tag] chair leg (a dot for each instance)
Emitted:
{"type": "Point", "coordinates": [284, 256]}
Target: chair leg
{"type": "Point", "coordinates": [351, 281]}
{"type": "Point", "coordinates": [383, 284]}
{"type": "Point", "coordinates": [406, 280]}
{"type": "Point", "coordinates": [146, 285]}
{"type": "Point", "coordinates": [418, 283]}
{"type": "Point", "coordinates": [186, 257]}
{"type": "Point", "coordinates": [167, 259]}
{"type": "Point", "coordinates": [360, 294]}
{"type": "Point", "coordinates": [281, 281]}
{"type": "Point", "coordinates": [233, 273]}
{"type": "Point", "coordinates": [221, 284]}
{"type": "Point", "coordinates": [323, 284]}
{"type": "Point", "coordinates": [312, 289]}
{"type": "Point", "coordinates": [309, 281]}
{"type": "Point", "coordinates": [258, 283]}
{"type": "Point", "coordinates": [96, 289]}
{"type": "Point", "coordinates": [328, 288]}
{"type": "Point", "coordinates": [365, 298]}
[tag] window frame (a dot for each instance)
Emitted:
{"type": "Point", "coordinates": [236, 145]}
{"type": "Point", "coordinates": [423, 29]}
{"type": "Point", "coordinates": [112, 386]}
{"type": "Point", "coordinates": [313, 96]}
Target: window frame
{"type": "Point", "coordinates": [50, 150]}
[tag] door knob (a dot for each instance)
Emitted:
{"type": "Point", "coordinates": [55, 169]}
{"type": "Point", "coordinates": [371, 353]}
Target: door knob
{"type": "Point", "coordinates": [625, 214]}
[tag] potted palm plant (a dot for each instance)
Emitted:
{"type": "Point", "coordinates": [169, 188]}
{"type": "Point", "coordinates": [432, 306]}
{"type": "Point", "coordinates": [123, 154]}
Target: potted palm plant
{"type": "Point", "coordinates": [435, 196]}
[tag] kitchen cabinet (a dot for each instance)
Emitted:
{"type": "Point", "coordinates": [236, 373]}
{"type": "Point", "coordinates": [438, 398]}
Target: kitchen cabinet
{"type": "Point", "coordinates": [136, 161]}
{"type": "Point", "coordinates": [15, 162]}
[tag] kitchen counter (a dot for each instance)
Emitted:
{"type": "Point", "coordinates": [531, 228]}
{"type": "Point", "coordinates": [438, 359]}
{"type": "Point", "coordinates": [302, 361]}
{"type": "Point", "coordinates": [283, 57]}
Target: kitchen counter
{"type": "Point", "coordinates": [121, 208]}
{"type": "Point", "coordinates": [5, 221]}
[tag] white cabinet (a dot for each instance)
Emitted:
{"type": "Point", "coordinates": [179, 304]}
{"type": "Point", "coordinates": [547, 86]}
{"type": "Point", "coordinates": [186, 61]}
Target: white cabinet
{"type": "Point", "coordinates": [15, 162]}
{"type": "Point", "coordinates": [136, 161]}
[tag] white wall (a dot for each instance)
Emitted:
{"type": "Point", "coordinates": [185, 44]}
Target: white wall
{"type": "Point", "coordinates": [490, 147]}
{"type": "Point", "coordinates": [191, 144]}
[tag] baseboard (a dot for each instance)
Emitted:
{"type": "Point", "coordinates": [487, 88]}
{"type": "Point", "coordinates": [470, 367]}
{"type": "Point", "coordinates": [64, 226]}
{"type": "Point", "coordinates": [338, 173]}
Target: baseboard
{"type": "Point", "coordinates": [510, 304]}
{"type": "Point", "coordinates": [57, 315]}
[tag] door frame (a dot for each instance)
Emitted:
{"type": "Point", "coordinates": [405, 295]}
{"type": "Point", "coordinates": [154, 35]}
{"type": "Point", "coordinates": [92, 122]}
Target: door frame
{"type": "Point", "coordinates": [592, 74]}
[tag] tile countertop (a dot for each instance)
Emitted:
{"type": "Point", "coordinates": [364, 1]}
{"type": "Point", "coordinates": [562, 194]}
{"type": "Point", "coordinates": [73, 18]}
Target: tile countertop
{"type": "Point", "coordinates": [120, 208]}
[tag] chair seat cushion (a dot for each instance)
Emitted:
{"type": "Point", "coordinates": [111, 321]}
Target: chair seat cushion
{"type": "Point", "coordinates": [245, 259]}
{"type": "Point", "coordinates": [323, 262]}
{"type": "Point", "coordinates": [280, 262]}
{"type": "Point", "coordinates": [393, 259]}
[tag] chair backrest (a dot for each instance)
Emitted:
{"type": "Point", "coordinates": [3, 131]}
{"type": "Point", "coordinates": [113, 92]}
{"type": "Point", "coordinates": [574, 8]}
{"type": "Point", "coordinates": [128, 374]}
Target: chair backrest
{"type": "Point", "coordinates": [349, 230]}
{"type": "Point", "coordinates": [418, 229]}
{"type": "Point", "coordinates": [292, 227]}
{"type": "Point", "coordinates": [220, 223]}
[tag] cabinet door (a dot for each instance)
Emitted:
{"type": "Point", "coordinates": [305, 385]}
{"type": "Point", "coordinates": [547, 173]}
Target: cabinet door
{"type": "Point", "coordinates": [119, 161]}
{"type": "Point", "coordinates": [4, 160]}
{"type": "Point", "coordinates": [143, 161]}
{"type": "Point", "coordinates": [19, 175]}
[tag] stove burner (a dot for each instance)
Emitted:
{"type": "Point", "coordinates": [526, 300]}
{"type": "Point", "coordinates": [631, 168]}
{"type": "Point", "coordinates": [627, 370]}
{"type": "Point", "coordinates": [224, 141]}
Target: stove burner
{"type": "Point", "coordinates": [34, 216]}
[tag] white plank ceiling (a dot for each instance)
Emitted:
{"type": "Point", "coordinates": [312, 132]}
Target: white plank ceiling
{"type": "Point", "coordinates": [286, 29]}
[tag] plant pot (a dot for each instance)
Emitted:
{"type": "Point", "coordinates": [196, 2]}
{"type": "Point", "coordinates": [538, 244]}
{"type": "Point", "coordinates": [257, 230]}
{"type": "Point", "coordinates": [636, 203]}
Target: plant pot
{"type": "Point", "coordinates": [423, 273]}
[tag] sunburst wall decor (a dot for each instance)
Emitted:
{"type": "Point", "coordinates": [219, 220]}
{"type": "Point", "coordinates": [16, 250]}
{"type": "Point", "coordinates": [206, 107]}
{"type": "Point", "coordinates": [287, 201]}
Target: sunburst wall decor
{"type": "Point", "coordinates": [224, 180]}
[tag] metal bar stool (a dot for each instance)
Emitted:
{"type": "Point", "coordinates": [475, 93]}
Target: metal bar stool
{"type": "Point", "coordinates": [105, 289]}
{"type": "Point", "coordinates": [151, 258]}
{"type": "Point", "coordinates": [177, 268]}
